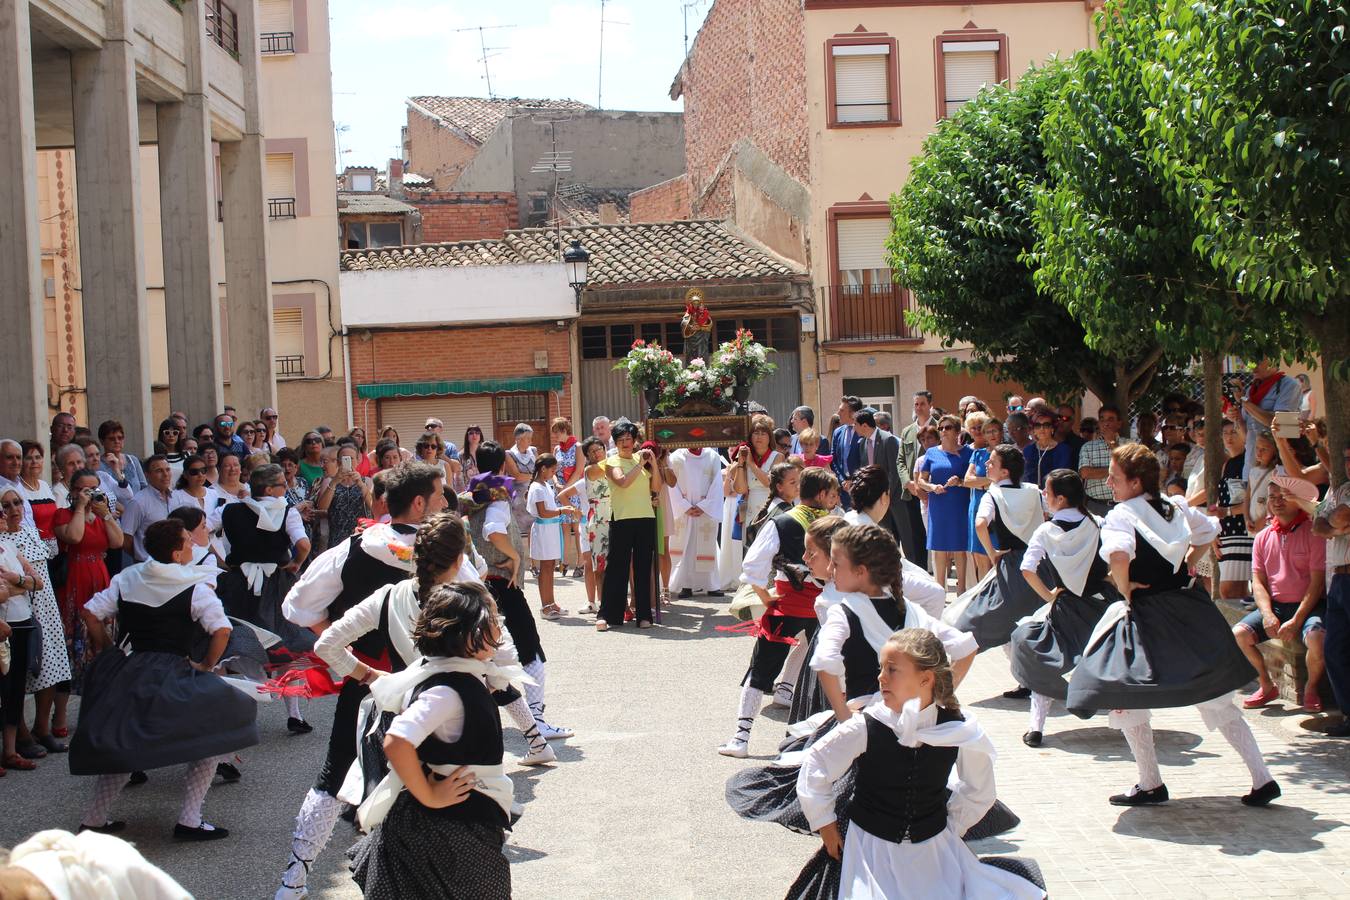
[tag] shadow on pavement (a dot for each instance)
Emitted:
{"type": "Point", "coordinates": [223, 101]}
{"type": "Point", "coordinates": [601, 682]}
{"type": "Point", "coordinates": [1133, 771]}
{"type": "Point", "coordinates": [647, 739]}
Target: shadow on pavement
{"type": "Point", "coordinates": [1228, 826]}
{"type": "Point", "coordinates": [1175, 748]}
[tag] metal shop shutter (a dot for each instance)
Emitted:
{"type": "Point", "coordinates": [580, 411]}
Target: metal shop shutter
{"type": "Point", "coordinates": [410, 416]}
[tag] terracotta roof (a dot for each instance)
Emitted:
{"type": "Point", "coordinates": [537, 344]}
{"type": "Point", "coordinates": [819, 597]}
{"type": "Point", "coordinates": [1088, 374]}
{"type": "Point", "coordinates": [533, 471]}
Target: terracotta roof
{"type": "Point", "coordinates": [580, 204]}
{"type": "Point", "coordinates": [647, 253]}
{"type": "Point", "coordinates": [479, 116]}
{"type": "Point", "coordinates": [362, 203]}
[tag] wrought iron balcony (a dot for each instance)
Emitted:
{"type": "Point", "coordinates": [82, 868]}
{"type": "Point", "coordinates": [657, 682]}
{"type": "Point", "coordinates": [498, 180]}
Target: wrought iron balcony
{"type": "Point", "coordinates": [222, 26]}
{"type": "Point", "coordinates": [273, 42]}
{"type": "Point", "coordinates": [290, 366]}
{"type": "Point", "coordinates": [867, 313]}
{"type": "Point", "coordinates": [281, 208]}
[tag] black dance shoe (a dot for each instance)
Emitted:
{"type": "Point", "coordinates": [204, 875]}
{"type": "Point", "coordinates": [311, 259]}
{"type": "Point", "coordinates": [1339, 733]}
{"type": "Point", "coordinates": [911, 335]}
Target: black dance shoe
{"type": "Point", "coordinates": [716, 593]}
{"type": "Point", "coordinates": [106, 828]}
{"type": "Point", "coordinates": [1032, 738]}
{"type": "Point", "coordinates": [137, 778]}
{"type": "Point", "coordinates": [686, 593]}
{"type": "Point", "coordinates": [298, 726]}
{"type": "Point", "coordinates": [202, 832]}
{"type": "Point", "coordinates": [1263, 795]}
{"type": "Point", "coordinates": [1142, 798]}
{"type": "Point", "coordinates": [229, 773]}
{"type": "Point", "coordinates": [1017, 693]}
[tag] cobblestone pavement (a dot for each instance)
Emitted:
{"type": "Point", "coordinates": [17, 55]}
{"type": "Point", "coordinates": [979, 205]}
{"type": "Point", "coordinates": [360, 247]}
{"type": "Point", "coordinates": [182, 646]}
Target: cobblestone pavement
{"type": "Point", "coordinates": [635, 809]}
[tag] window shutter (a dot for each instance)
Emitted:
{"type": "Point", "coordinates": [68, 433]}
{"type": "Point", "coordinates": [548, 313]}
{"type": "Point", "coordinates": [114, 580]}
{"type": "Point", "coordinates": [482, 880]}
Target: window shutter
{"type": "Point", "coordinates": [276, 17]}
{"type": "Point", "coordinates": [409, 416]}
{"type": "Point", "coordinates": [969, 66]}
{"type": "Point", "coordinates": [860, 87]}
{"type": "Point", "coordinates": [862, 243]}
{"type": "Point", "coordinates": [280, 176]}
{"type": "Point", "coordinates": [288, 332]}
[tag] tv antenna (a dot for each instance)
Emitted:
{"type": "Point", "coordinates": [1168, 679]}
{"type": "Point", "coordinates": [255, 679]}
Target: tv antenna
{"type": "Point", "coordinates": [482, 44]}
{"type": "Point", "coordinates": [686, 6]}
{"type": "Point", "coordinates": [600, 78]}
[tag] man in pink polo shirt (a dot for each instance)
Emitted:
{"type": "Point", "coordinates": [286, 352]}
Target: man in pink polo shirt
{"type": "Point", "coordinates": [1289, 586]}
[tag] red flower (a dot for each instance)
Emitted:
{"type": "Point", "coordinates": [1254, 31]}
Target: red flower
{"type": "Point", "coordinates": [680, 389]}
{"type": "Point", "coordinates": [717, 392]}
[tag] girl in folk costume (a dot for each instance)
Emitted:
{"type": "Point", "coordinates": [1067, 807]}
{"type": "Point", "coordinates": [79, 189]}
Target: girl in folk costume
{"type": "Point", "coordinates": [806, 698]}
{"type": "Point", "coordinates": [906, 813]}
{"type": "Point", "coordinates": [155, 708]}
{"type": "Point", "coordinates": [746, 488]}
{"type": "Point", "coordinates": [871, 495]}
{"type": "Point", "coordinates": [790, 609]}
{"type": "Point", "coordinates": [546, 532]}
{"type": "Point", "coordinates": [439, 818]}
{"type": "Point", "coordinates": [591, 489]}
{"type": "Point", "coordinates": [1009, 514]}
{"type": "Point", "coordinates": [1046, 647]}
{"type": "Point", "coordinates": [337, 580]}
{"type": "Point", "coordinates": [498, 542]}
{"type": "Point", "coordinates": [784, 492]}
{"type": "Point", "coordinates": [696, 506]}
{"type": "Point", "coordinates": [1166, 644]}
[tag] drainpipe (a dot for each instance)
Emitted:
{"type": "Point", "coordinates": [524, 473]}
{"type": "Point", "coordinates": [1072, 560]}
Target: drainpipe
{"type": "Point", "coordinates": [347, 380]}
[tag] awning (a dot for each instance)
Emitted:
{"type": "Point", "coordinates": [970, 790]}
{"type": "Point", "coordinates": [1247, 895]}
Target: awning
{"type": "Point", "coordinates": [452, 388]}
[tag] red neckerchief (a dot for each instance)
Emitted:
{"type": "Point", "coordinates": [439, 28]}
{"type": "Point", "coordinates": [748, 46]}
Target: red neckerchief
{"type": "Point", "coordinates": [1281, 528]}
{"type": "Point", "coordinates": [1259, 391]}
{"type": "Point", "coordinates": [567, 444]}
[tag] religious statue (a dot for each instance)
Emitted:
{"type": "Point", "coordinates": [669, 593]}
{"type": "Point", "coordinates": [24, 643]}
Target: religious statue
{"type": "Point", "coordinates": [696, 326]}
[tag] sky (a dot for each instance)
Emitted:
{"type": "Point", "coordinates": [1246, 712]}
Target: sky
{"type": "Point", "coordinates": [386, 51]}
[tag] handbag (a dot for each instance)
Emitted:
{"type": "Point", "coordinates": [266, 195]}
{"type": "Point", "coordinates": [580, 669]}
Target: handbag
{"type": "Point", "coordinates": [4, 657]}
{"type": "Point", "coordinates": [738, 519]}
{"type": "Point", "coordinates": [35, 648]}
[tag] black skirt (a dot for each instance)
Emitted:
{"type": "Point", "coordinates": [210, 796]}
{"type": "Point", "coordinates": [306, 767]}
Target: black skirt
{"type": "Point", "coordinates": [264, 610]}
{"type": "Point", "coordinates": [993, 613]}
{"type": "Point", "coordinates": [418, 852]}
{"type": "Point", "coordinates": [1174, 648]}
{"type": "Point", "coordinates": [808, 697]}
{"type": "Point", "coordinates": [519, 620]}
{"type": "Point", "coordinates": [244, 654]}
{"type": "Point", "coordinates": [1044, 652]}
{"type": "Point", "coordinates": [149, 710]}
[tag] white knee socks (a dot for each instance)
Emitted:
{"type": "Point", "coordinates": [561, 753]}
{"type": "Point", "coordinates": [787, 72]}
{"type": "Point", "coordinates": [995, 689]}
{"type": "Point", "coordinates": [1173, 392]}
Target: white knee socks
{"type": "Point", "coordinates": [520, 714]}
{"type": "Point", "coordinates": [313, 827]}
{"type": "Point", "coordinates": [534, 693]}
{"type": "Point", "coordinates": [195, 786]}
{"type": "Point", "coordinates": [293, 707]}
{"type": "Point", "coordinates": [792, 667]}
{"type": "Point", "coordinates": [750, 701]}
{"type": "Point", "coordinates": [106, 789]}
{"type": "Point", "coordinates": [1040, 708]}
{"type": "Point", "coordinates": [1140, 739]}
{"type": "Point", "coordinates": [1239, 734]}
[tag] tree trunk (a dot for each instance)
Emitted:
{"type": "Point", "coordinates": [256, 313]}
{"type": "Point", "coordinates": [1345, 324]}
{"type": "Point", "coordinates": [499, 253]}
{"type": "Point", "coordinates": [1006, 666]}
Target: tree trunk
{"type": "Point", "coordinates": [1332, 330]}
{"type": "Point", "coordinates": [1215, 456]}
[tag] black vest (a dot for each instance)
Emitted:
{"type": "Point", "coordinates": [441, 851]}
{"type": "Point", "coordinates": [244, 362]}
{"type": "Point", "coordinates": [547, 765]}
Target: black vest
{"type": "Point", "coordinates": [363, 575]}
{"type": "Point", "coordinates": [862, 662]}
{"type": "Point", "coordinates": [249, 543]}
{"type": "Point", "coordinates": [1098, 578]}
{"type": "Point", "coordinates": [164, 629]}
{"type": "Point", "coordinates": [480, 744]}
{"type": "Point", "coordinates": [901, 792]}
{"type": "Point", "coordinates": [1150, 568]}
{"type": "Point", "coordinates": [1004, 539]}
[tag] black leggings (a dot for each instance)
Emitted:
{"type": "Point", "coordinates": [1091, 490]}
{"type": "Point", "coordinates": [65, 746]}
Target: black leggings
{"type": "Point", "coordinates": [768, 657]}
{"type": "Point", "coordinates": [12, 685]}
{"type": "Point", "coordinates": [342, 739]}
{"type": "Point", "coordinates": [632, 542]}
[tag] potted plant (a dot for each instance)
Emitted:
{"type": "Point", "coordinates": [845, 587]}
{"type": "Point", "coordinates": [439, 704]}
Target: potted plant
{"type": "Point", "coordinates": [747, 361]}
{"type": "Point", "coordinates": [651, 369]}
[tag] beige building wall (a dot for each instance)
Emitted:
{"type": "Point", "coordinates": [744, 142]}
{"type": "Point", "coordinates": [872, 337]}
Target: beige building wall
{"type": "Point", "coordinates": [859, 163]}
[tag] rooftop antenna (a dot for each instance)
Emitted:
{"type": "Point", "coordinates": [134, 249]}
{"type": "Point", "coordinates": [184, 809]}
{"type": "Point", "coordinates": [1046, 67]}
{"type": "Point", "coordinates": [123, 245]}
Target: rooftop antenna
{"type": "Point", "coordinates": [686, 6]}
{"type": "Point", "coordinates": [600, 78]}
{"type": "Point", "coordinates": [555, 161]}
{"type": "Point", "coordinates": [482, 44]}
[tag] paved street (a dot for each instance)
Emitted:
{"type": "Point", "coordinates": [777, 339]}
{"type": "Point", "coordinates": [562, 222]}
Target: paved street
{"type": "Point", "coordinates": [634, 808]}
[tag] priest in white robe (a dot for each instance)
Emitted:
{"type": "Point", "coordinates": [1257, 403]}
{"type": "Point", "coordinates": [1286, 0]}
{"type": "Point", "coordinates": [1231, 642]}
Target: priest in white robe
{"type": "Point", "coordinates": [696, 507]}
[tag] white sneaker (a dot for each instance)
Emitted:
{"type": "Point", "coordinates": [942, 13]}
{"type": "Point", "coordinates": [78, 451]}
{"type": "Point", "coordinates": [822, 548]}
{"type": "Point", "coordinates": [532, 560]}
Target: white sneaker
{"type": "Point", "coordinates": [734, 747]}
{"type": "Point", "coordinates": [290, 893]}
{"type": "Point", "coordinates": [782, 696]}
{"type": "Point", "coordinates": [538, 759]}
{"type": "Point", "coordinates": [552, 732]}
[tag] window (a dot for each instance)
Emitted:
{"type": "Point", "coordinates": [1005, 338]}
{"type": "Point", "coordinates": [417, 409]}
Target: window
{"type": "Point", "coordinates": [276, 27]}
{"type": "Point", "coordinates": [862, 251]}
{"type": "Point", "coordinates": [594, 342]}
{"type": "Point", "coordinates": [288, 341]}
{"type": "Point", "coordinates": [863, 303]}
{"type": "Point", "coordinates": [363, 182]}
{"type": "Point", "coordinates": [370, 235]}
{"type": "Point", "coordinates": [280, 186]}
{"type": "Point", "coordinates": [967, 61]}
{"type": "Point", "coordinates": [513, 408]}
{"type": "Point", "coordinates": [862, 80]}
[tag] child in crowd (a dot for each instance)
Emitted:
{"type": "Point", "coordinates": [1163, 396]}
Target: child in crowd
{"type": "Point", "coordinates": [546, 534]}
{"type": "Point", "coordinates": [809, 439]}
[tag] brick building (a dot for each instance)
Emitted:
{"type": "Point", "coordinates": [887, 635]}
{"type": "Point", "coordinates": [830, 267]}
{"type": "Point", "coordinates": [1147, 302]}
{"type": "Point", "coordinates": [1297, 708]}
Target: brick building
{"type": "Point", "coordinates": [800, 119]}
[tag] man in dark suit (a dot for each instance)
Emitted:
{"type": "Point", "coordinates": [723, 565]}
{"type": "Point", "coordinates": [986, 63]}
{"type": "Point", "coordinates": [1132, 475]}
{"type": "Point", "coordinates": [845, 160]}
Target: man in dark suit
{"type": "Point", "coordinates": [844, 441]}
{"type": "Point", "coordinates": [876, 447]}
{"type": "Point", "coordinates": [908, 513]}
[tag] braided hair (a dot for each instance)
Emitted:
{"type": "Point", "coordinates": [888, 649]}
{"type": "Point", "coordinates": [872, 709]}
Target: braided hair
{"type": "Point", "coordinates": [438, 547]}
{"type": "Point", "coordinates": [777, 475]}
{"type": "Point", "coordinates": [873, 548]}
{"type": "Point", "coordinates": [927, 653]}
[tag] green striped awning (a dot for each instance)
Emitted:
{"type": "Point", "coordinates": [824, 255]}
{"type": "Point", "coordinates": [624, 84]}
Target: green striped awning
{"type": "Point", "coordinates": [452, 388]}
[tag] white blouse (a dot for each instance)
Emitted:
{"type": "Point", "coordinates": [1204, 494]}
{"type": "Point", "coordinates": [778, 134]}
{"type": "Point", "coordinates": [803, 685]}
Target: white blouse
{"type": "Point", "coordinates": [829, 655]}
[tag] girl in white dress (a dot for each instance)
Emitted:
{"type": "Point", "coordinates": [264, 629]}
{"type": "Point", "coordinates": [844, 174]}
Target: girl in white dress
{"type": "Point", "coordinates": [746, 485]}
{"type": "Point", "coordinates": [903, 838]}
{"type": "Point", "coordinates": [546, 531]}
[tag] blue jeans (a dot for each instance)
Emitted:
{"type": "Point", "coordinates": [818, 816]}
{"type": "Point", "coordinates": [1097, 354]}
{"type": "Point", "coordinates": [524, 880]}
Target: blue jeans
{"type": "Point", "coordinates": [1337, 645]}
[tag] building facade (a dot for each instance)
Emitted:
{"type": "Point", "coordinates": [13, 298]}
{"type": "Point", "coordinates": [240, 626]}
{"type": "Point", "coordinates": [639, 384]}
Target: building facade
{"type": "Point", "coordinates": [801, 117]}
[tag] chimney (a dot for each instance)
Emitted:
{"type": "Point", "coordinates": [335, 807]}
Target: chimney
{"type": "Point", "coordinates": [396, 178]}
{"type": "Point", "coordinates": [608, 213]}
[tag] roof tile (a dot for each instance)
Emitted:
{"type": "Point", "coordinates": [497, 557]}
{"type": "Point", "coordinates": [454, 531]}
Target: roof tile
{"type": "Point", "coordinates": [479, 116]}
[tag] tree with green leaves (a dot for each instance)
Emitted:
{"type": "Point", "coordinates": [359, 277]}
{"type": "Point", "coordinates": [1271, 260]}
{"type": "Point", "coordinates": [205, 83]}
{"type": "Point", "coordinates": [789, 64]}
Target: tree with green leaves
{"type": "Point", "coordinates": [1250, 121]}
{"type": "Point", "coordinates": [961, 236]}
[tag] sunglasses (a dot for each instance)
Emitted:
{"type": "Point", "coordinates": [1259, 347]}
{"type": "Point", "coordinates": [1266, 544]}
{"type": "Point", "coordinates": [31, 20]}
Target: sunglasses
{"type": "Point", "coordinates": [225, 423]}
{"type": "Point", "coordinates": [248, 431]}
{"type": "Point", "coordinates": [948, 428]}
{"type": "Point", "coordinates": [196, 472]}
{"type": "Point", "coordinates": [313, 440]}
{"type": "Point", "coordinates": [1044, 425]}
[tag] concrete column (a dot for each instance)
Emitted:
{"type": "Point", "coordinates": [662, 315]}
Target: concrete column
{"type": "Point", "coordinates": [23, 390]}
{"type": "Point", "coordinates": [112, 239]}
{"type": "Point", "coordinates": [188, 224]}
{"type": "Point", "coordinates": [248, 283]}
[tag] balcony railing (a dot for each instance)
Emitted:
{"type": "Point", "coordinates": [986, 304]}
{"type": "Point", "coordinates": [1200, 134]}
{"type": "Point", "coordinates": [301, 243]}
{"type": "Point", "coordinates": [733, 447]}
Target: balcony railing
{"type": "Point", "coordinates": [272, 42]}
{"type": "Point", "coordinates": [290, 366]}
{"type": "Point", "coordinates": [867, 312]}
{"type": "Point", "coordinates": [222, 26]}
{"type": "Point", "coordinates": [281, 208]}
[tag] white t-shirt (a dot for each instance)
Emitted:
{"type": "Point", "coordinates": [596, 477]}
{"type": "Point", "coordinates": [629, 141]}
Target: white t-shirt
{"type": "Point", "coordinates": [540, 493]}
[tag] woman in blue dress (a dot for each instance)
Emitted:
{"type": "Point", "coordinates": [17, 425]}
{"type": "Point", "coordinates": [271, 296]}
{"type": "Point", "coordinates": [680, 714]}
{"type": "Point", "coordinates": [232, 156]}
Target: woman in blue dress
{"type": "Point", "coordinates": [986, 432]}
{"type": "Point", "coordinates": [941, 473]}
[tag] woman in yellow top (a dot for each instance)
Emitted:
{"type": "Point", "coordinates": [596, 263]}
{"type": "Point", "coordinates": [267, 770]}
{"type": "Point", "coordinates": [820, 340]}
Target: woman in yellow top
{"type": "Point", "coordinates": [634, 482]}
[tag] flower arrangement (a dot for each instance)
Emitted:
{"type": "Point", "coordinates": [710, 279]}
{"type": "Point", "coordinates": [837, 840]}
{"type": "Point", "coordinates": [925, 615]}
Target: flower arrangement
{"type": "Point", "coordinates": [649, 366]}
{"type": "Point", "coordinates": [745, 358]}
{"type": "Point", "coordinates": [698, 381]}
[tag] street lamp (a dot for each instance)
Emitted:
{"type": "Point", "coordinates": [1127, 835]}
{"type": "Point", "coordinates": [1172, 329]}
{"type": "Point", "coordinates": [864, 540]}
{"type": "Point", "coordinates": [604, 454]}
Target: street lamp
{"type": "Point", "coordinates": [577, 261]}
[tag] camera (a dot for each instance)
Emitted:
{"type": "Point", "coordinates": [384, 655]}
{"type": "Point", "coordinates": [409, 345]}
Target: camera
{"type": "Point", "coordinates": [97, 496]}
